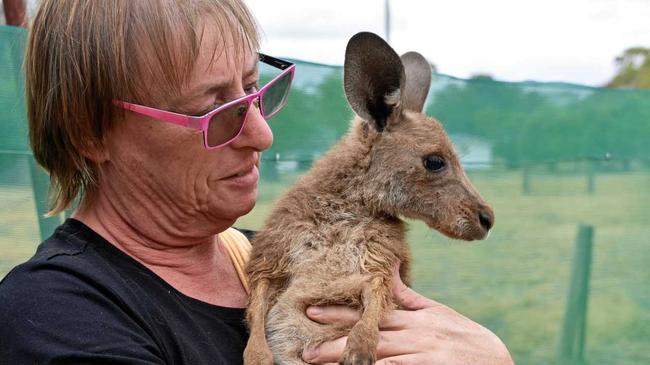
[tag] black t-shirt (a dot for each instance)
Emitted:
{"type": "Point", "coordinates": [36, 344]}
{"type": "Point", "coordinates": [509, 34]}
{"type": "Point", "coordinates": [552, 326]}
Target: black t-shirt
{"type": "Point", "coordinates": [81, 300]}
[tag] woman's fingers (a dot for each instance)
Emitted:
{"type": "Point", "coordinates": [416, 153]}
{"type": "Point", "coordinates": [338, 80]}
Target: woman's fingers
{"type": "Point", "coordinates": [407, 297]}
{"type": "Point", "coordinates": [329, 351]}
{"type": "Point", "coordinates": [346, 316]}
{"type": "Point", "coordinates": [398, 319]}
{"type": "Point", "coordinates": [396, 343]}
{"type": "Point", "coordinates": [411, 359]}
{"type": "Point", "coordinates": [333, 314]}
{"type": "Point", "coordinates": [391, 343]}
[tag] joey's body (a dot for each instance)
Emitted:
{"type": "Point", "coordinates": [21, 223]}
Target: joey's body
{"type": "Point", "coordinates": [339, 240]}
{"type": "Point", "coordinates": [335, 237]}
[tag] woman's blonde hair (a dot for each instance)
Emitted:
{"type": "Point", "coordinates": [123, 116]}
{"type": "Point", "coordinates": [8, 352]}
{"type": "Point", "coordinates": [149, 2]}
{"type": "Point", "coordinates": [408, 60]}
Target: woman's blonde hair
{"type": "Point", "coordinates": [83, 54]}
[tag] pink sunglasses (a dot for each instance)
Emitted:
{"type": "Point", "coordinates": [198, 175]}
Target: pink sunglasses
{"type": "Point", "coordinates": [225, 123]}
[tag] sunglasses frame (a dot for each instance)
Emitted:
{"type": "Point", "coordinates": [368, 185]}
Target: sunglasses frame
{"type": "Point", "coordinates": [202, 123]}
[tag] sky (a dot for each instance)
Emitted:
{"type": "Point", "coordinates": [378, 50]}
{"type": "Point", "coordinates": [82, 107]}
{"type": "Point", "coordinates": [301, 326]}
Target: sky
{"type": "Point", "coordinates": [572, 41]}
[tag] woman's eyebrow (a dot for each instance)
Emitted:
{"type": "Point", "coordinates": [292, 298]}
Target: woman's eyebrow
{"type": "Point", "coordinates": [252, 71]}
{"type": "Point", "coordinates": [212, 86]}
{"type": "Point", "coordinates": [209, 87]}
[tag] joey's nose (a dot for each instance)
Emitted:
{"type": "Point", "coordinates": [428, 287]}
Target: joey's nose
{"type": "Point", "coordinates": [486, 218]}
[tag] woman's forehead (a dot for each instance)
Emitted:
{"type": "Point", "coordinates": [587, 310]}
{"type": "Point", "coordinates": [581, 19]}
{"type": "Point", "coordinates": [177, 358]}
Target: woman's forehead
{"type": "Point", "coordinates": [218, 47]}
{"type": "Point", "coordinates": [223, 47]}
{"type": "Point", "coordinates": [222, 60]}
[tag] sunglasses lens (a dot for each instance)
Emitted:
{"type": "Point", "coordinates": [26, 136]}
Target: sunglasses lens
{"type": "Point", "coordinates": [276, 95]}
{"type": "Point", "coordinates": [227, 123]}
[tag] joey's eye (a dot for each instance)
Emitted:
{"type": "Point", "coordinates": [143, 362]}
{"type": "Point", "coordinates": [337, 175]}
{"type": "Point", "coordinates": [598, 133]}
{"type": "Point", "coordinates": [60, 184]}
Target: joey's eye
{"type": "Point", "coordinates": [434, 163]}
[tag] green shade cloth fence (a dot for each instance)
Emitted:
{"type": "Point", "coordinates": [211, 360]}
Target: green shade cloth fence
{"type": "Point", "coordinates": [547, 156]}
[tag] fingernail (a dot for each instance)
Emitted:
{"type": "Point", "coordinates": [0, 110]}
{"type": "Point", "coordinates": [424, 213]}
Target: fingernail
{"type": "Point", "coordinates": [314, 310]}
{"type": "Point", "coordinates": [310, 354]}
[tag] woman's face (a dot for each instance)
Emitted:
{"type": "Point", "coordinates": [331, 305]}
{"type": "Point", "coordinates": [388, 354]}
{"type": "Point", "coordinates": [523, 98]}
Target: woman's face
{"type": "Point", "coordinates": [166, 168]}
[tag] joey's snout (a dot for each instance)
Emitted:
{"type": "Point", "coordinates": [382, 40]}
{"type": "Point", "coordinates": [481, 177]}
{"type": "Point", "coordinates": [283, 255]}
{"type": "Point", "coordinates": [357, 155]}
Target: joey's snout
{"type": "Point", "coordinates": [486, 219]}
{"type": "Point", "coordinates": [473, 223]}
{"type": "Point", "coordinates": [483, 216]}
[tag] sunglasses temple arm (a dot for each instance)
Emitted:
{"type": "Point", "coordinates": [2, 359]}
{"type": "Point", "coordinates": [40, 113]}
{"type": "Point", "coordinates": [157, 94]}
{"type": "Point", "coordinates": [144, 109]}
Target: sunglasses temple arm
{"type": "Point", "coordinates": [290, 71]}
{"type": "Point", "coordinates": [275, 62]}
{"type": "Point", "coordinates": [171, 117]}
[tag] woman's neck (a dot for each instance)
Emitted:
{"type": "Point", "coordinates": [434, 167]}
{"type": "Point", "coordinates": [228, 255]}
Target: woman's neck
{"type": "Point", "coordinates": [194, 262]}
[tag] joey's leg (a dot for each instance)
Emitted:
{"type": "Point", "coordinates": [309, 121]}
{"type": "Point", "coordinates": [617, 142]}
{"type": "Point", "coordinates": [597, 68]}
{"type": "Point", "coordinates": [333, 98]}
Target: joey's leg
{"type": "Point", "coordinates": [257, 350]}
{"type": "Point", "coordinates": [362, 341]}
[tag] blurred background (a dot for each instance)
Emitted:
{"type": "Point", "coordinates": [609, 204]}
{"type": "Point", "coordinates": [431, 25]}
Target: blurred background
{"type": "Point", "coordinates": [548, 107]}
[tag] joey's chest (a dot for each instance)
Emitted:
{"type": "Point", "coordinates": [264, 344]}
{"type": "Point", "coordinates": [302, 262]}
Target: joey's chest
{"type": "Point", "coordinates": [344, 253]}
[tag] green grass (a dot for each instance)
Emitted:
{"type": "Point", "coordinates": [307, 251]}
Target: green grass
{"type": "Point", "coordinates": [516, 282]}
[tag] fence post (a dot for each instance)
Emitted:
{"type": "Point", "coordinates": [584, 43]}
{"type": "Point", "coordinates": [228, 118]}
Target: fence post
{"type": "Point", "coordinates": [572, 336]}
{"type": "Point", "coordinates": [525, 183]}
{"type": "Point", "coordinates": [591, 177]}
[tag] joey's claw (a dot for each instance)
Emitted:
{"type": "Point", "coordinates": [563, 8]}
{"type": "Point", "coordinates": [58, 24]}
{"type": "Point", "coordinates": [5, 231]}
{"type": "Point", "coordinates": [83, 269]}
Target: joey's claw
{"type": "Point", "coordinates": [358, 358]}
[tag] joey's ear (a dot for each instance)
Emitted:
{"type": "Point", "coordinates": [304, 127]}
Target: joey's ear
{"type": "Point", "coordinates": [418, 81]}
{"type": "Point", "coordinates": [373, 77]}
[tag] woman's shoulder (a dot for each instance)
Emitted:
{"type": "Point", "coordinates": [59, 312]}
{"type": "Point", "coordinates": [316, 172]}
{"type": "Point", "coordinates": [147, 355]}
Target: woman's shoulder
{"type": "Point", "coordinates": [248, 233]}
{"type": "Point", "coordinates": [72, 266]}
{"type": "Point", "coordinates": [73, 251]}
{"type": "Point", "coordinates": [80, 293]}
{"type": "Point", "coordinates": [62, 297]}
{"type": "Point", "coordinates": [63, 266]}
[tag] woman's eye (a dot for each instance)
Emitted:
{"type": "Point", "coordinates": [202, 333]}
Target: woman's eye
{"type": "Point", "coordinates": [241, 110]}
{"type": "Point", "coordinates": [434, 163]}
{"type": "Point", "coordinates": [251, 89]}
{"type": "Point", "coordinates": [206, 111]}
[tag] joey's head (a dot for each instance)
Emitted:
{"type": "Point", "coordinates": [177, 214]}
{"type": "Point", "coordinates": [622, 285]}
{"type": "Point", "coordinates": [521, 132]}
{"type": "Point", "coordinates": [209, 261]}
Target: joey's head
{"type": "Point", "coordinates": [413, 170]}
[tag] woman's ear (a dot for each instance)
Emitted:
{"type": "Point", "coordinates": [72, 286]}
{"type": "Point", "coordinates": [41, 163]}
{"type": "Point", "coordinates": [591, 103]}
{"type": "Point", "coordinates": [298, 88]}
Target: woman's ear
{"type": "Point", "coordinates": [93, 151]}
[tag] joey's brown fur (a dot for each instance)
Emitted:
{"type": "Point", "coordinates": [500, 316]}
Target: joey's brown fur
{"type": "Point", "coordinates": [336, 235]}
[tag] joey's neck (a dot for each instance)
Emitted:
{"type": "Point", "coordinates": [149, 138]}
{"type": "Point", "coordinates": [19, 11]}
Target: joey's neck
{"type": "Point", "coordinates": [342, 171]}
{"type": "Point", "coordinates": [342, 177]}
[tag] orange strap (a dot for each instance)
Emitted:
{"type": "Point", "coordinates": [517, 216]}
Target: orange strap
{"type": "Point", "coordinates": [239, 250]}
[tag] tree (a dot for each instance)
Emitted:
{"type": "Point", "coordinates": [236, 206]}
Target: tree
{"type": "Point", "coordinates": [535, 123]}
{"type": "Point", "coordinates": [633, 69]}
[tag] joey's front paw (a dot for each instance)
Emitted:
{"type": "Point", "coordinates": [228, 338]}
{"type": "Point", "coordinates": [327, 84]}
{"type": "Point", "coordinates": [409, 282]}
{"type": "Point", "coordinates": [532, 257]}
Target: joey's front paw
{"type": "Point", "coordinates": [258, 355]}
{"type": "Point", "coordinates": [358, 358]}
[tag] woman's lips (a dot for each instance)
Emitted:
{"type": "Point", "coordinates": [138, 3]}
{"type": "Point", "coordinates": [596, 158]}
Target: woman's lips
{"type": "Point", "coordinates": [244, 179]}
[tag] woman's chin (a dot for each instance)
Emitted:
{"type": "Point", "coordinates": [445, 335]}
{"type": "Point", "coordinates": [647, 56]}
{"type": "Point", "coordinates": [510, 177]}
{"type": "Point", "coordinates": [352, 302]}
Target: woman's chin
{"type": "Point", "coordinates": [243, 205]}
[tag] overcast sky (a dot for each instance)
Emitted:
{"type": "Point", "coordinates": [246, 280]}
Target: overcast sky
{"type": "Point", "coordinates": [545, 40]}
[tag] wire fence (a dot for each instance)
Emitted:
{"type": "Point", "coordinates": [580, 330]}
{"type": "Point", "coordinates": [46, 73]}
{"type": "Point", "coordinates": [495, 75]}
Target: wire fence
{"type": "Point", "coordinates": [550, 158]}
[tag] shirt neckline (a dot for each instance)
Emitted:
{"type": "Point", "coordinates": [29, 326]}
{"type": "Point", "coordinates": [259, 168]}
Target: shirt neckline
{"type": "Point", "coordinates": [78, 230]}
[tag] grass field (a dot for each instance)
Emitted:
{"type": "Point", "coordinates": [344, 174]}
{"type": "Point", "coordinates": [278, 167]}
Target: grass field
{"type": "Point", "coordinates": [516, 282]}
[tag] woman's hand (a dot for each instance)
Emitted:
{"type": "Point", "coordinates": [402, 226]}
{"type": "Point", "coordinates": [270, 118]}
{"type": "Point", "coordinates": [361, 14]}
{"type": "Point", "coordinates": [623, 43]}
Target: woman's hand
{"type": "Point", "coordinates": [426, 332]}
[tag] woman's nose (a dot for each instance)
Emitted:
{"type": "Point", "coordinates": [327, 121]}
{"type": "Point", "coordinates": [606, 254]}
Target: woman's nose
{"type": "Point", "coordinates": [256, 133]}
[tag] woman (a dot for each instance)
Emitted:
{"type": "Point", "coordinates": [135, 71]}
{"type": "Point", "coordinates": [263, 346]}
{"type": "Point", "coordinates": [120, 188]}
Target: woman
{"type": "Point", "coordinates": [139, 275]}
